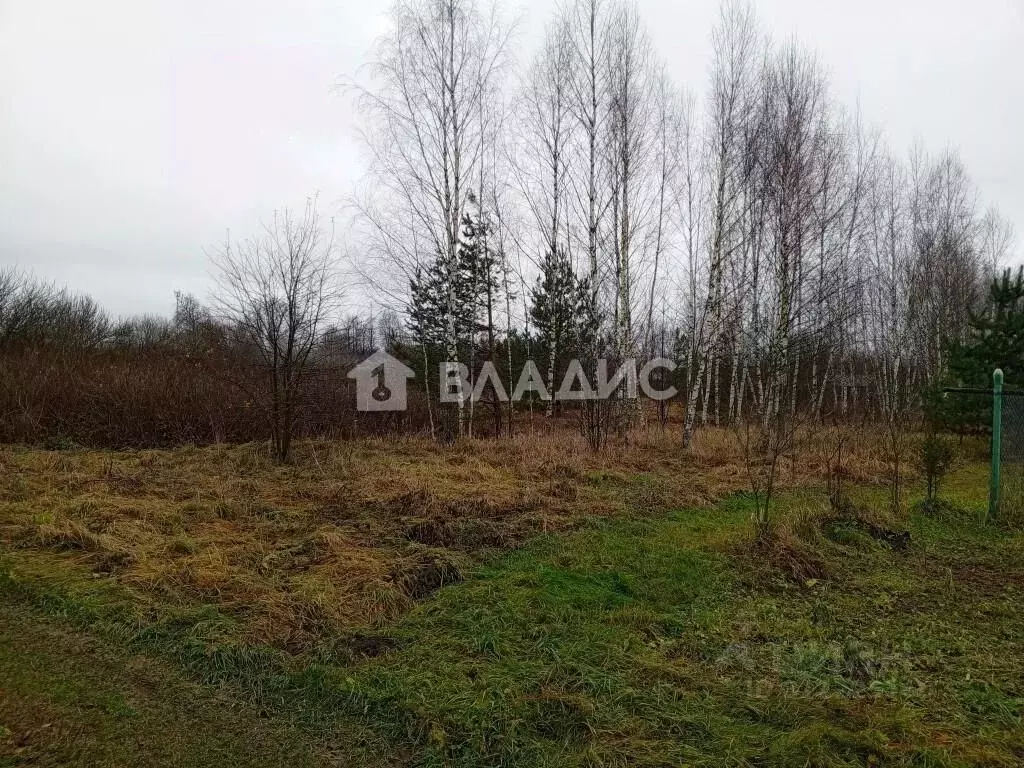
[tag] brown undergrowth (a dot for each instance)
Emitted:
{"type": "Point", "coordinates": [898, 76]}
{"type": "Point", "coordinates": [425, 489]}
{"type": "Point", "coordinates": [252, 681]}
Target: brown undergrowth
{"type": "Point", "coordinates": [352, 533]}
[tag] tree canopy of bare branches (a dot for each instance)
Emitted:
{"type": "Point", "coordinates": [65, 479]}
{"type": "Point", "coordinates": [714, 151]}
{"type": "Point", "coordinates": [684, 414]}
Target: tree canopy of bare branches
{"type": "Point", "coordinates": [277, 291]}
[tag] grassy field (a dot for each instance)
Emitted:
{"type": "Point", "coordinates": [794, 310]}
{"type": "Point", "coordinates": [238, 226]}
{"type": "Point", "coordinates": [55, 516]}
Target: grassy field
{"type": "Point", "coordinates": [498, 604]}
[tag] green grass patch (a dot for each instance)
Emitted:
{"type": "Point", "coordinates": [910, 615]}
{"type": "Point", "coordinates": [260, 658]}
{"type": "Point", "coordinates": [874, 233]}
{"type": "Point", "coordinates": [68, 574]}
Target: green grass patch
{"type": "Point", "coordinates": [650, 644]}
{"type": "Point", "coordinates": [68, 698]}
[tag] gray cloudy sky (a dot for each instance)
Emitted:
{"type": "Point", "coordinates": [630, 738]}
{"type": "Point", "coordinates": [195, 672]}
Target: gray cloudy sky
{"type": "Point", "coordinates": [133, 134]}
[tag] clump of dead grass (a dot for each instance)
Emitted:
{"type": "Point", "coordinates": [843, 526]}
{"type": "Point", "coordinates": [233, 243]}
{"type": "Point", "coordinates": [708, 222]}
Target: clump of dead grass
{"type": "Point", "coordinates": [806, 536]}
{"type": "Point", "coordinates": [780, 552]}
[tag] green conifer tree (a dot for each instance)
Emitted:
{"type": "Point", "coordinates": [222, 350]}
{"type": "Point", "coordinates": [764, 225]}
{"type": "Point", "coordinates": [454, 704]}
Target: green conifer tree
{"type": "Point", "coordinates": [559, 313]}
{"type": "Point", "coordinates": [995, 340]}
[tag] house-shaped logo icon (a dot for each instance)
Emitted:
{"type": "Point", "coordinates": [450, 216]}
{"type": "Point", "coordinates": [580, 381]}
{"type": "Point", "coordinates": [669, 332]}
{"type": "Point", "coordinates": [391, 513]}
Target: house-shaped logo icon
{"type": "Point", "coordinates": [381, 383]}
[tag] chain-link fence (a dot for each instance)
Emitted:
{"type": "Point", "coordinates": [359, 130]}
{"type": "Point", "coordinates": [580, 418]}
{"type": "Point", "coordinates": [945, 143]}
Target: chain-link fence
{"type": "Point", "coordinates": [998, 415]}
{"type": "Point", "coordinates": [1010, 505]}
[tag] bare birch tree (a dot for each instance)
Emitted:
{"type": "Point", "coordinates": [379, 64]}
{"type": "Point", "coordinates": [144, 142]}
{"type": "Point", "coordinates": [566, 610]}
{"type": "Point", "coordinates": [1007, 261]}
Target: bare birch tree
{"type": "Point", "coordinates": [637, 184]}
{"type": "Point", "coordinates": [543, 157]}
{"type": "Point", "coordinates": [888, 297]}
{"type": "Point", "coordinates": [430, 77]}
{"type": "Point", "coordinates": [588, 33]}
{"type": "Point", "coordinates": [734, 43]}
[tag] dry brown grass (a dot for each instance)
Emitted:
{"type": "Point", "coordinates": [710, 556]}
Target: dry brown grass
{"type": "Point", "coordinates": [351, 533]}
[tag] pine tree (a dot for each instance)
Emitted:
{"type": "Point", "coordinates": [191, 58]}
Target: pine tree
{"type": "Point", "coordinates": [476, 290]}
{"type": "Point", "coordinates": [559, 310]}
{"type": "Point", "coordinates": [426, 307]}
{"type": "Point", "coordinates": [479, 269]}
{"type": "Point", "coordinates": [430, 295]}
{"type": "Point", "coordinates": [995, 340]}
{"type": "Point", "coordinates": [478, 276]}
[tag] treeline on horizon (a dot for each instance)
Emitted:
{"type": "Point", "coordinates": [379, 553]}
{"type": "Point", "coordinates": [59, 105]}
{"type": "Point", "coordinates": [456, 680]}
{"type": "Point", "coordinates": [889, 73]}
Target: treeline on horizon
{"type": "Point", "coordinates": [581, 205]}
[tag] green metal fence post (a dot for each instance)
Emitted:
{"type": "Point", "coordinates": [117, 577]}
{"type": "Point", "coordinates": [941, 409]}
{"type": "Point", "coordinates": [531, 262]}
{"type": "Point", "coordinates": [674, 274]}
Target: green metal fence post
{"type": "Point", "coordinates": [997, 443]}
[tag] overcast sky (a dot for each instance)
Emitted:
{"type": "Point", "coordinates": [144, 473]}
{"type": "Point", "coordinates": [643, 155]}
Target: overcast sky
{"type": "Point", "coordinates": [134, 133]}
